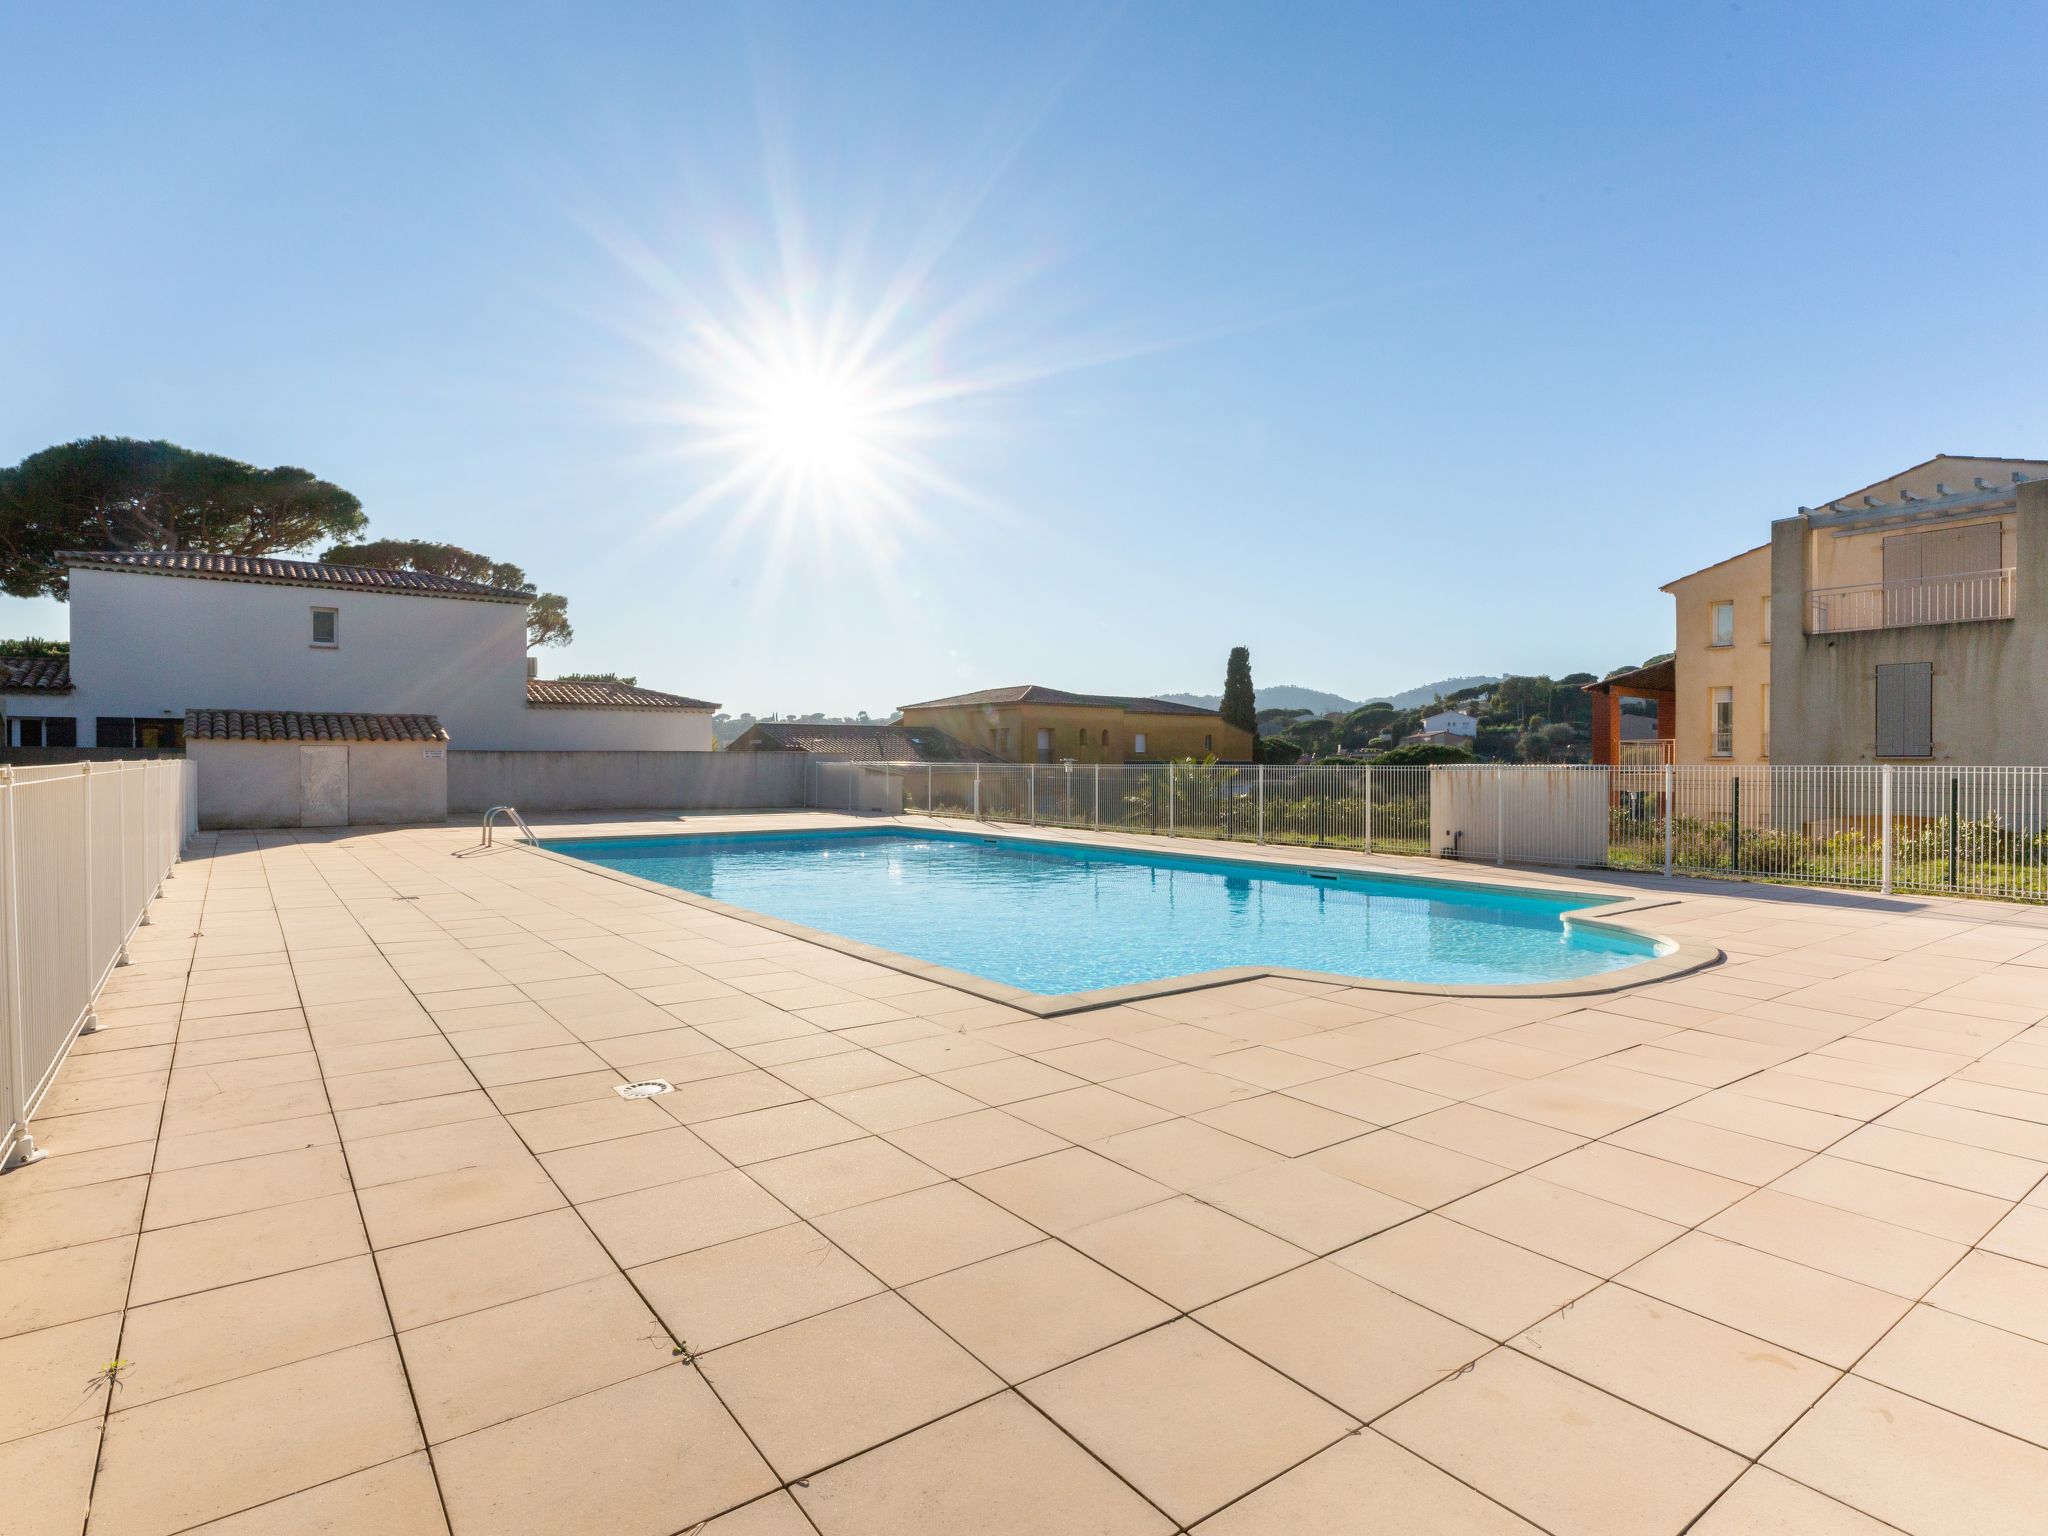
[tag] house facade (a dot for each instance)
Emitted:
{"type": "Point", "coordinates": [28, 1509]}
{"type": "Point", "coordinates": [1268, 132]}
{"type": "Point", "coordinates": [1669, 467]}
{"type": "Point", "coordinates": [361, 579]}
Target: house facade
{"type": "Point", "coordinates": [1904, 622]}
{"type": "Point", "coordinates": [854, 742]}
{"type": "Point", "coordinates": [1034, 724]}
{"type": "Point", "coordinates": [1451, 723]}
{"type": "Point", "coordinates": [155, 634]}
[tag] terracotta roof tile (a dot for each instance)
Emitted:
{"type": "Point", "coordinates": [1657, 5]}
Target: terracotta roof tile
{"type": "Point", "coordinates": [1033, 693]}
{"type": "Point", "coordinates": [860, 743]}
{"type": "Point", "coordinates": [556, 693]}
{"type": "Point", "coordinates": [40, 674]}
{"type": "Point", "coordinates": [291, 573]}
{"type": "Point", "coordinates": [306, 725]}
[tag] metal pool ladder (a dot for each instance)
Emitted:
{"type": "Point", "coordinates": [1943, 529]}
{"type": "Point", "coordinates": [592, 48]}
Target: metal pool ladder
{"type": "Point", "coordinates": [490, 821]}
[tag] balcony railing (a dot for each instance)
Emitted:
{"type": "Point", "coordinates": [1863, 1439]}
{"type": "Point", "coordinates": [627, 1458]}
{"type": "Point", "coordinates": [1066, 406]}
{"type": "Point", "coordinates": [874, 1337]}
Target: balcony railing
{"type": "Point", "coordinates": [1646, 754]}
{"type": "Point", "coordinates": [1958, 599]}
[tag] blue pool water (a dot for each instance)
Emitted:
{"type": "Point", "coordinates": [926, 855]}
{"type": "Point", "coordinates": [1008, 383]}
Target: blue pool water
{"type": "Point", "coordinates": [1062, 918]}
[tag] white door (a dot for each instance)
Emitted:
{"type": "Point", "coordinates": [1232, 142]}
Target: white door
{"type": "Point", "coordinates": [323, 786]}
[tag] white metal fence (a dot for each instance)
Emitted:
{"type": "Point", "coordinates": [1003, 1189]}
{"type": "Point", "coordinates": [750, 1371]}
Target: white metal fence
{"type": "Point", "coordinates": [82, 850]}
{"type": "Point", "coordinates": [1931, 829]}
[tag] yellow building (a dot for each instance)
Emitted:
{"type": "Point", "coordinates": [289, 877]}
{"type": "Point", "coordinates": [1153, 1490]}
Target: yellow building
{"type": "Point", "coordinates": [1030, 724]}
{"type": "Point", "coordinates": [1721, 657]}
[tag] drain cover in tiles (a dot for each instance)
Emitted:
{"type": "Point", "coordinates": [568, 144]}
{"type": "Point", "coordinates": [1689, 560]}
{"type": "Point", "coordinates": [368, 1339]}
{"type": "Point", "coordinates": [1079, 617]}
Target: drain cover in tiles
{"type": "Point", "coordinates": [644, 1090]}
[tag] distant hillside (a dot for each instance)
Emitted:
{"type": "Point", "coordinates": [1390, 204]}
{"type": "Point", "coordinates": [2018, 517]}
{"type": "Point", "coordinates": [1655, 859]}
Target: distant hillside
{"type": "Point", "coordinates": [1315, 701]}
{"type": "Point", "coordinates": [1280, 696]}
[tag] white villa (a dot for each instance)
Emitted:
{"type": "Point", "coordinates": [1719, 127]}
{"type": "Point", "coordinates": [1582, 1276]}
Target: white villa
{"type": "Point", "coordinates": [1451, 722]}
{"type": "Point", "coordinates": [155, 635]}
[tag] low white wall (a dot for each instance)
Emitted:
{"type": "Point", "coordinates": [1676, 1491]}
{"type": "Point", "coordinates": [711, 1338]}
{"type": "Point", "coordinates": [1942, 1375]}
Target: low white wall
{"type": "Point", "coordinates": [625, 781]}
{"type": "Point", "coordinates": [247, 783]}
{"type": "Point", "coordinates": [396, 781]}
{"type": "Point", "coordinates": [554, 728]}
{"type": "Point", "coordinates": [1541, 815]}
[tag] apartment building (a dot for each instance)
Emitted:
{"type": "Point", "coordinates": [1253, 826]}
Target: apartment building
{"type": "Point", "coordinates": [1903, 622]}
{"type": "Point", "coordinates": [1034, 724]}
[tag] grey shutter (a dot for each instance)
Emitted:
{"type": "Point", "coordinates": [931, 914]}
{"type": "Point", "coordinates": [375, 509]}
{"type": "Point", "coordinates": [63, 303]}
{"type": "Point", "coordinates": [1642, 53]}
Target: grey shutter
{"type": "Point", "coordinates": [1905, 709]}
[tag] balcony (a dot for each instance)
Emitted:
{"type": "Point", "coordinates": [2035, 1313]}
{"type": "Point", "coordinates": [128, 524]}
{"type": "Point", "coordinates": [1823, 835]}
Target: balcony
{"type": "Point", "coordinates": [1960, 599]}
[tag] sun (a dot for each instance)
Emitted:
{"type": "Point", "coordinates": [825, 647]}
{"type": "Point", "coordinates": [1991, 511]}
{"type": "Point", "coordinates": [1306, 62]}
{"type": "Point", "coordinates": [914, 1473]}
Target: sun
{"type": "Point", "coordinates": [818, 424]}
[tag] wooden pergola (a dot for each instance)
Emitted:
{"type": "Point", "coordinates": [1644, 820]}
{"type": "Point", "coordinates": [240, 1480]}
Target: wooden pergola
{"type": "Point", "coordinates": [1658, 681]}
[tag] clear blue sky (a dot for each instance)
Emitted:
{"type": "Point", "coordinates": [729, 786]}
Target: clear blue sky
{"type": "Point", "coordinates": [1392, 341]}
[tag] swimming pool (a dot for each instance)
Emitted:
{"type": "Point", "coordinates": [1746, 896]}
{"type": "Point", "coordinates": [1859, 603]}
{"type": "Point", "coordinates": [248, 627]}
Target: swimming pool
{"type": "Point", "coordinates": [1056, 918]}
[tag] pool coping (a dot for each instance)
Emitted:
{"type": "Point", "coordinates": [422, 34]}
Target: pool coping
{"type": "Point", "coordinates": [1683, 957]}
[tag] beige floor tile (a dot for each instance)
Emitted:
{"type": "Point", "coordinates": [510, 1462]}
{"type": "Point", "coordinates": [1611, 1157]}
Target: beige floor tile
{"type": "Point", "coordinates": [2006, 1293]}
{"type": "Point", "coordinates": [647, 1457]}
{"type": "Point", "coordinates": [227, 1249]}
{"type": "Point", "coordinates": [247, 1184]}
{"type": "Point", "coordinates": [586, 1121]}
{"type": "Point", "coordinates": [51, 1375]}
{"type": "Point", "coordinates": [37, 1221]}
{"type": "Point", "coordinates": [894, 1106]}
{"type": "Point", "coordinates": [1265, 1066]}
{"type": "Point", "coordinates": [974, 1143]}
{"type": "Point", "coordinates": [1064, 1190]}
{"type": "Point", "coordinates": [443, 1277]}
{"type": "Point", "coordinates": [1187, 1418]}
{"type": "Point", "coordinates": [1811, 1130]}
{"type": "Point", "coordinates": [1184, 1154]}
{"type": "Point", "coordinates": [2022, 1235]}
{"type": "Point", "coordinates": [1283, 1124]}
{"type": "Point", "coordinates": [49, 1479]}
{"type": "Point", "coordinates": [397, 1498]}
{"type": "Point", "coordinates": [1185, 1089]}
{"type": "Point", "coordinates": [1091, 1112]}
{"type": "Point", "coordinates": [200, 1455]}
{"type": "Point", "coordinates": [842, 1072]}
{"type": "Point", "coordinates": [1763, 1503]}
{"type": "Point", "coordinates": [1876, 1253]}
{"type": "Point", "coordinates": [484, 1367]}
{"type": "Point", "coordinates": [1009, 1080]}
{"type": "Point", "coordinates": [1344, 1338]}
{"type": "Point", "coordinates": [1327, 1494]}
{"type": "Point", "coordinates": [1025, 1312]}
{"type": "Point", "coordinates": [1369, 1096]}
{"type": "Point", "coordinates": [1669, 1191]}
{"type": "Point", "coordinates": [736, 1093]}
{"type": "Point", "coordinates": [1307, 1206]}
{"type": "Point", "coordinates": [779, 1132]}
{"type": "Point", "coordinates": [668, 1219]}
{"type": "Point", "coordinates": [1970, 1368]}
{"type": "Point", "coordinates": [715, 1296]}
{"type": "Point", "coordinates": [236, 1330]}
{"type": "Point", "coordinates": [1940, 1210]}
{"type": "Point", "coordinates": [1490, 1137]}
{"type": "Point", "coordinates": [1103, 1061]}
{"type": "Point", "coordinates": [456, 1201]}
{"type": "Point", "coordinates": [776, 1515]}
{"type": "Point", "coordinates": [1419, 1172]}
{"type": "Point", "coordinates": [129, 1160]}
{"type": "Point", "coordinates": [1946, 1162]}
{"type": "Point", "coordinates": [913, 1236]}
{"type": "Point", "coordinates": [1571, 1458]}
{"type": "Point", "coordinates": [1914, 1465]}
{"type": "Point", "coordinates": [1581, 1230]}
{"type": "Point", "coordinates": [1731, 1154]}
{"type": "Point", "coordinates": [833, 1385]}
{"type": "Point", "coordinates": [997, 1468]}
{"type": "Point", "coordinates": [1733, 1388]}
{"type": "Point", "coordinates": [844, 1174]}
{"type": "Point", "coordinates": [1466, 1275]}
{"type": "Point", "coordinates": [395, 1156]}
{"type": "Point", "coordinates": [627, 1163]}
{"type": "Point", "coordinates": [1186, 1252]}
{"type": "Point", "coordinates": [1820, 1315]}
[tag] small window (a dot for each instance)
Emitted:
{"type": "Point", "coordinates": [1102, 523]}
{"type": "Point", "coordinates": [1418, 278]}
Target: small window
{"type": "Point", "coordinates": [1767, 620]}
{"type": "Point", "coordinates": [1724, 624]}
{"type": "Point", "coordinates": [326, 626]}
{"type": "Point", "coordinates": [1084, 735]}
{"type": "Point", "coordinates": [1905, 709]}
{"type": "Point", "coordinates": [1208, 743]}
{"type": "Point", "coordinates": [1764, 722]}
{"type": "Point", "coordinates": [1138, 744]}
{"type": "Point", "coordinates": [1723, 705]}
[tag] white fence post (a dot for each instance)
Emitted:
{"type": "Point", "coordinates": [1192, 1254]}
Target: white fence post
{"type": "Point", "coordinates": [1885, 828]}
{"type": "Point", "coordinates": [1169, 797]}
{"type": "Point", "coordinates": [928, 801]}
{"type": "Point", "coordinates": [1500, 813]}
{"type": "Point", "coordinates": [1670, 806]}
{"type": "Point", "coordinates": [1368, 807]}
{"type": "Point", "coordinates": [12, 1003]}
{"type": "Point", "coordinates": [1031, 795]}
{"type": "Point", "coordinates": [92, 1017]}
{"type": "Point", "coordinates": [1097, 815]}
{"type": "Point", "coordinates": [1262, 801]}
{"type": "Point", "coordinates": [977, 791]}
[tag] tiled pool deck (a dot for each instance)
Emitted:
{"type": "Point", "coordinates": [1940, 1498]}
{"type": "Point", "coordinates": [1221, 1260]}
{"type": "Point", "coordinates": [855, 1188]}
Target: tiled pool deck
{"type": "Point", "coordinates": [344, 1229]}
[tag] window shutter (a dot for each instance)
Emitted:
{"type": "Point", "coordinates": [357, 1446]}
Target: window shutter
{"type": "Point", "coordinates": [1905, 709]}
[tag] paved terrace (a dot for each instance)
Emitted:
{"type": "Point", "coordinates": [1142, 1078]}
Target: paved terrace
{"type": "Point", "coordinates": [345, 1230]}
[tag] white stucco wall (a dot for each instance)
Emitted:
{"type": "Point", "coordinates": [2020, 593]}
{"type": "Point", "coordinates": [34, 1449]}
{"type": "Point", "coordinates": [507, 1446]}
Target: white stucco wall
{"type": "Point", "coordinates": [555, 729]}
{"type": "Point", "coordinates": [159, 645]}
